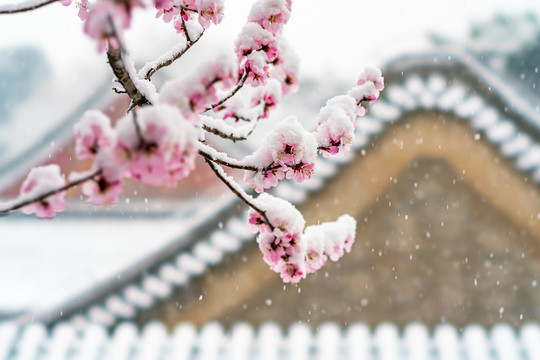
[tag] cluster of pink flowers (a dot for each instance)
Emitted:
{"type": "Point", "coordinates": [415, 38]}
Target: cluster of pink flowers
{"type": "Point", "coordinates": [106, 20]}
{"type": "Point", "coordinates": [291, 251]}
{"type": "Point", "coordinates": [92, 133]}
{"type": "Point", "coordinates": [258, 44]}
{"type": "Point", "coordinates": [180, 12]}
{"type": "Point", "coordinates": [337, 119]}
{"type": "Point", "coordinates": [40, 181]}
{"type": "Point", "coordinates": [369, 85]}
{"type": "Point", "coordinates": [198, 91]}
{"type": "Point", "coordinates": [155, 145]}
{"type": "Point", "coordinates": [336, 123]}
{"type": "Point", "coordinates": [289, 151]}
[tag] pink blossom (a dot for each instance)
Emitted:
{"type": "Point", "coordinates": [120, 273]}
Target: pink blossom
{"type": "Point", "coordinates": [288, 4]}
{"type": "Point", "coordinates": [106, 187]}
{"type": "Point", "coordinates": [291, 272]}
{"type": "Point", "coordinates": [315, 257]}
{"type": "Point", "coordinates": [262, 180]}
{"type": "Point", "coordinates": [210, 11]}
{"type": "Point", "coordinates": [270, 14]}
{"type": "Point", "coordinates": [189, 4]}
{"type": "Point", "coordinates": [158, 147]}
{"type": "Point", "coordinates": [83, 9]}
{"type": "Point", "coordinates": [193, 94]}
{"type": "Point", "coordinates": [92, 132]}
{"type": "Point", "coordinates": [272, 253]}
{"type": "Point", "coordinates": [166, 9]}
{"type": "Point", "coordinates": [42, 180]}
{"type": "Point", "coordinates": [253, 37]}
{"type": "Point", "coordinates": [349, 241]}
{"type": "Point", "coordinates": [65, 2]}
{"type": "Point", "coordinates": [107, 21]}
{"type": "Point", "coordinates": [336, 125]}
{"type": "Point", "coordinates": [289, 249]}
{"type": "Point", "coordinates": [178, 25]}
{"type": "Point", "coordinates": [102, 190]}
{"type": "Point", "coordinates": [365, 92]}
{"type": "Point", "coordinates": [256, 222]}
{"type": "Point", "coordinates": [256, 68]}
{"type": "Point", "coordinates": [301, 172]}
{"type": "Point", "coordinates": [286, 67]}
{"type": "Point", "coordinates": [290, 144]}
{"type": "Point", "coordinates": [373, 75]}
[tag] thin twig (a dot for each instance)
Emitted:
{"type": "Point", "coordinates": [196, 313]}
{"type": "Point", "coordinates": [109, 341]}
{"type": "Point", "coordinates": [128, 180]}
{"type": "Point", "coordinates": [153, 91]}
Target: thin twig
{"type": "Point", "coordinates": [29, 8]}
{"type": "Point", "coordinates": [226, 136]}
{"type": "Point", "coordinates": [172, 59]}
{"type": "Point", "coordinates": [235, 90]}
{"type": "Point", "coordinates": [248, 200]}
{"type": "Point", "coordinates": [50, 193]}
{"type": "Point", "coordinates": [209, 157]}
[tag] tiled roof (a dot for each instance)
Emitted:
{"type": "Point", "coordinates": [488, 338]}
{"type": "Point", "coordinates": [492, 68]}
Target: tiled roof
{"type": "Point", "coordinates": [328, 342]}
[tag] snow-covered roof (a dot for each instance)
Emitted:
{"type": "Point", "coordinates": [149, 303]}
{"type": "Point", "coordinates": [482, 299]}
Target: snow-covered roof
{"type": "Point", "coordinates": [52, 266]}
{"type": "Point", "coordinates": [299, 342]}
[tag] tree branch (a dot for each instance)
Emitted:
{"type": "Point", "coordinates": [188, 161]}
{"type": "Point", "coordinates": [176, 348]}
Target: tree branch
{"type": "Point", "coordinates": [119, 69]}
{"type": "Point", "coordinates": [237, 190]}
{"type": "Point", "coordinates": [235, 90]}
{"type": "Point", "coordinates": [168, 58]}
{"type": "Point", "coordinates": [220, 128]}
{"type": "Point", "coordinates": [42, 197]}
{"type": "Point", "coordinates": [213, 155]}
{"type": "Point", "coordinates": [28, 8]}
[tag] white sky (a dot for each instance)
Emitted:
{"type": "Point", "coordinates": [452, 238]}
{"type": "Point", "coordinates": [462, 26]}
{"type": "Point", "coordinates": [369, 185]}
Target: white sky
{"type": "Point", "coordinates": [340, 34]}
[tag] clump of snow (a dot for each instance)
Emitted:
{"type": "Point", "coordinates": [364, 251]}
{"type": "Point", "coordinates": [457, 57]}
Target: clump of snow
{"type": "Point", "coordinates": [287, 248]}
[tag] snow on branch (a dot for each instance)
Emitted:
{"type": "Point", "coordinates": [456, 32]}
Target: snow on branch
{"type": "Point", "coordinates": [27, 5]}
{"type": "Point", "coordinates": [173, 54]}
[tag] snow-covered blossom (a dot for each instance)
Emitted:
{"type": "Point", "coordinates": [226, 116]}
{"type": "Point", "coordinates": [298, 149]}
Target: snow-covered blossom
{"type": "Point", "coordinates": [338, 236]}
{"type": "Point", "coordinates": [210, 11]}
{"type": "Point", "coordinates": [336, 123]}
{"type": "Point", "coordinates": [184, 12]}
{"type": "Point", "coordinates": [368, 89]}
{"type": "Point", "coordinates": [262, 180]}
{"type": "Point", "coordinates": [268, 95]}
{"type": "Point", "coordinates": [253, 37]}
{"type": "Point", "coordinates": [256, 68]}
{"type": "Point", "coordinates": [282, 243]}
{"type": "Point", "coordinates": [83, 9]}
{"type": "Point", "coordinates": [92, 133]}
{"type": "Point", "coordinates": [288, 149]}
{"type": "Point", "coordinates": [40, 181]}
{"type": "Point", "coordinates": [287, 248]}
{"type": "Point", "coordinates": [107, 20]}
{"type": "Point", "coordinates": [157, 145]}
{"type": "Point", "coordinates": [286, 67]}
{"type": "Point", "coordinates": [193, 94]}
{"type": "Point", "coordinates": [105, 187]}
{"type": "Point", "coordinates": [371, 74]}
{"type": "Point", "coordinates": [290, 144]}
{"type": "Point", "coordinates": [270, 14]}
